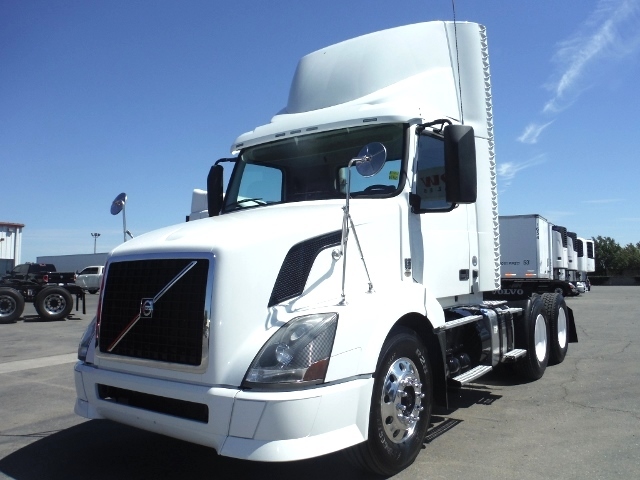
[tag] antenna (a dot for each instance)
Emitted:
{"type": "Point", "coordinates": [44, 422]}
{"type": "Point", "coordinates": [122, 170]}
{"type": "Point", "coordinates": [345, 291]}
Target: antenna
{"type": "Point", "coordinates": [455, 34]}
{"type": "Point", "coordinates": [118, 206]}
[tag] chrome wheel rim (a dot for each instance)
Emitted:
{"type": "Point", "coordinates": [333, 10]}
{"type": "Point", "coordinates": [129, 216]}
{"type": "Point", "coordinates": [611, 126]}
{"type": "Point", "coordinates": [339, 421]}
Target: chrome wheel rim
{"type": "Point", "coordinates": [401, 400]}
{"type": "Point", "coordinates": [540, 338]}
{"type": "Point", "coordinates": [562, 328]}
{"type": "Point", "coordinates": [54, 304]}
{"type": "Point", "coordinates": [7, 306]}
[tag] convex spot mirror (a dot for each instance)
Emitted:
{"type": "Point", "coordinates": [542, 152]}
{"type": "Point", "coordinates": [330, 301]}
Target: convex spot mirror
{"type": "Point", "coordinates": [371, 159]}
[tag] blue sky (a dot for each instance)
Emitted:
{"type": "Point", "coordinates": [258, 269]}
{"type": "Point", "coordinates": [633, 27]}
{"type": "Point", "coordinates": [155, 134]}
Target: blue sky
{"type": "Point", "coordinates": [103, 97]}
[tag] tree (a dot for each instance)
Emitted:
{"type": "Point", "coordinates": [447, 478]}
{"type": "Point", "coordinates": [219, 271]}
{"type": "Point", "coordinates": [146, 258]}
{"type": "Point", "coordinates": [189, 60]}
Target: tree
{"type": "Point", "coordinates": [612, 259]}
{"type": "Point", "coordinates": [607, 252]}
{"type": "Point", "coordinates": [629, 259]}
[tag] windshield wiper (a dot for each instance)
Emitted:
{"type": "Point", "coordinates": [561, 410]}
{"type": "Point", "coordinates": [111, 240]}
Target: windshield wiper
{"type": "Point", "coordinates": [258, 201]}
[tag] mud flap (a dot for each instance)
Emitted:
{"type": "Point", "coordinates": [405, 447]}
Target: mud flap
{"type": "Point", "coordinates": [573, 333]}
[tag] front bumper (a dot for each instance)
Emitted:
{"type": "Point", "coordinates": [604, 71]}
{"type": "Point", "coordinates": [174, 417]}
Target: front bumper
{"type": "Point", "coordinates": [261, 426]}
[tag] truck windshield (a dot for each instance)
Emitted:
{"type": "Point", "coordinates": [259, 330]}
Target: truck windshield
{"type": "Point", "coordinates": [314, 167]}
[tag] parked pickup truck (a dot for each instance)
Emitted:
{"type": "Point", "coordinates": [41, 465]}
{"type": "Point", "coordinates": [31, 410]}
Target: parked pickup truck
{"type": "Point", "coordinates": [90, 278]}
{"type": "Point", "coordinates": [50, 291]}
{"type": "Point", "coordinates": [40, 273]}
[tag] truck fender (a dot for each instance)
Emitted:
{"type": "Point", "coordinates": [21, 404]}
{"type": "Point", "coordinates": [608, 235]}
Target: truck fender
{"type": "Point", "coordinates": [415, 309]}
{"type": "Point", "coordinates": [410, 306]}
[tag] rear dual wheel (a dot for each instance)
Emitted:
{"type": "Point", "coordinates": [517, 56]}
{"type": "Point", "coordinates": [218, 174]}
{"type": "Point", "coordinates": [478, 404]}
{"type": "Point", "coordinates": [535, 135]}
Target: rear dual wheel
{"type": "Point", "coordinates": [533, 336]}
{"type": "Point", "coordinates": [556, 309]}
{"type": "Point", "coordinates": [53, 303]}
{"type": "Point", "coordinates": [11, 305]}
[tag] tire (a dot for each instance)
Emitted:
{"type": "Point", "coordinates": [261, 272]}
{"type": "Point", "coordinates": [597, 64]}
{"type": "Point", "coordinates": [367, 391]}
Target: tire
{"type": "Point", "coordinates": [533, 336]}
{"type": "Point", "coordinates": [557, 314]}
{"type": "Point", "coordinates": [395, 439]}
{"type": "Point", "coordinates": [53, 303]}
{"type": "Point", "coordinates": [11, 305]}
{"type": "Point", "coordinates": [559, 291]}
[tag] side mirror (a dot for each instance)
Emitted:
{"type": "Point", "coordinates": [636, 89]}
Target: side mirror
{"type": "Point", "coordinates": [214, 190]}
{"type": "Point", "coordinates": [460, 164]}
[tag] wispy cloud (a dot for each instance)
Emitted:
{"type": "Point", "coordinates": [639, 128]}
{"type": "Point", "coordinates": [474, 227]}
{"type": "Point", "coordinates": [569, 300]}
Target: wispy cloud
{"type": "Point", "coordinates": [603, 201]}
{"type": "Point", "coordinates": [611, 32]}
{"type": "Point", "coordinates": [508, 170]}
{"type": "Point", "coordinates": [532, 132]}
{"type": "Point", "coordinates": [609, 35]}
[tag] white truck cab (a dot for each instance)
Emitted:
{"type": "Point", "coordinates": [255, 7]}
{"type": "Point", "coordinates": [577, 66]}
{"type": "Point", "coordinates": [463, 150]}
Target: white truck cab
{"type": "Point", "coordinates": [339, 284]}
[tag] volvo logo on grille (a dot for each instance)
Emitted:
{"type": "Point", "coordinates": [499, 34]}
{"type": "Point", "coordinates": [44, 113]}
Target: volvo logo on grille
{"type": "Point", "coordinates": [146, 308]}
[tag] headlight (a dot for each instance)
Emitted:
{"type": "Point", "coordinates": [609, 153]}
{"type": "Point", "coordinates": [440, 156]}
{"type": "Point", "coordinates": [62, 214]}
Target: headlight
{"type": "Point", "coordinates": [296, 355]}
{"type": "Point", "coordinates": [88, 335]}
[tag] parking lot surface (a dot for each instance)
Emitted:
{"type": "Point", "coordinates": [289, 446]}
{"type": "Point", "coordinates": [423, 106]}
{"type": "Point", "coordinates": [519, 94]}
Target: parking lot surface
{"type": "Point", "coordinates": [581, 420]}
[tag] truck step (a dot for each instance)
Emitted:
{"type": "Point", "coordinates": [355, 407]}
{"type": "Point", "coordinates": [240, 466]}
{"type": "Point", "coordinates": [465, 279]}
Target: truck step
{"type": "Point", "coordinates": [513, 355]}
{"type": "Point", "coordinates": [515, 310]}
{"type": "Point", "coordinates": [471, 375]}
{"type": "Point", "coordinates": [492, 303]}
{"type": "Point", "coordinates": [458, 322]}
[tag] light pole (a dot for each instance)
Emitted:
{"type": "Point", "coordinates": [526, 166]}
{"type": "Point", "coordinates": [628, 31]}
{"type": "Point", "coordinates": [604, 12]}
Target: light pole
{"type": "Point", "coordinates": [95, 240]}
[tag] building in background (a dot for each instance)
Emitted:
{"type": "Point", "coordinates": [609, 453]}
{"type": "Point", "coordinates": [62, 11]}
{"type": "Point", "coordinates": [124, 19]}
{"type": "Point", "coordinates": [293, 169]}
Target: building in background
{"type": "Point", "coordinates": [10, 245]}
{"type": "Point", "coordinates": [74, 263]}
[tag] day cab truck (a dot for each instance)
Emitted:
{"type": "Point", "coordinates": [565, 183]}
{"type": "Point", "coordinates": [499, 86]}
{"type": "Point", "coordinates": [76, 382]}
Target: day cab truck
{"type": "Point", "coordinates": [50, 291]}
{"type": "Point", "coordinates": [340, 284]}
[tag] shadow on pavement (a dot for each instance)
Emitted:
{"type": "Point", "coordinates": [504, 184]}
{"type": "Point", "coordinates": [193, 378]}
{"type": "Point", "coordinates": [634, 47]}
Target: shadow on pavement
{"type": "Point", "coordinates": [99, 449]}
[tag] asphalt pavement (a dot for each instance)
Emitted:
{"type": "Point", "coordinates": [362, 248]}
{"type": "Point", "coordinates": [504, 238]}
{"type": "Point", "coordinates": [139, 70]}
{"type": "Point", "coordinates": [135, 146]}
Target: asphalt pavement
{"type": "Point", "coordinates": [581, 420]}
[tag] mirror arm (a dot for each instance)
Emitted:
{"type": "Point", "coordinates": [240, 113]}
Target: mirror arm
{"type": "Point", "coordinates": [441, 121]}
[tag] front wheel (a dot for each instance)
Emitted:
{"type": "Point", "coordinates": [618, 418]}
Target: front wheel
{"type": "Point", "coordinates": [53, 303]}
{"type": "Point", "coordinates": [400, 406]}
{"type": "Point", "coordinates": [11, 305]}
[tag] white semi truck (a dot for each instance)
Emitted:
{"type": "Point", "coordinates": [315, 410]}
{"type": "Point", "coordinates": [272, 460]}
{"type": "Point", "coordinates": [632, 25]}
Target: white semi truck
{"type": "Point", "coordinates": [339, 286]}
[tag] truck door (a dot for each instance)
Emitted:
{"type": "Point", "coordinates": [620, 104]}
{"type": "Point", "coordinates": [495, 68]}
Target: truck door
{"type": "Point", "coordinates": [443, 236]}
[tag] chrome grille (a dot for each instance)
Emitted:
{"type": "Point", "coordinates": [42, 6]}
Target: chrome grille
{"type": "Point", "coordinates": [174, 332]}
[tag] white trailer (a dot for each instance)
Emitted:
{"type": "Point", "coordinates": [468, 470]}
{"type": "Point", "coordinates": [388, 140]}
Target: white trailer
{"type": "Point", "coordinates": [559, 252]}
{"type": "Point", "coordinates": [534, 258]}
{"type": "Point", "coordinates": [572, 253]}
{"type": "Point", "coordinates": [257, 332]}
{"type": "Point", "coordinates": [525, 247]}
{"type": "Point", "coordinates": [591, 256]}
{"type": "Point", "coordinates": [586, 260]}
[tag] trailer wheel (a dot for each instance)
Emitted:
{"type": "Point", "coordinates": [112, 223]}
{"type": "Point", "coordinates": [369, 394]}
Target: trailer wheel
{"type": "Point", "coordinates": [532, 335]}
{"type": "Point", "coordinates": [556, 309]}
{"type": "Point", "coordinates": [53, 303]}
{"type": "Point", "coordinates": [560, 291]}
{"type": "Point", "coordinates": [11, 305]}
{"type": "Point", "coordinates": [400, 407]}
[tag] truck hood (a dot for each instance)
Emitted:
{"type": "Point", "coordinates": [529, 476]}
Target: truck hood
{"type": "Point", "coordinates": [248, 250]}
{"type": "Point", "coordinates": [242, 230]}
